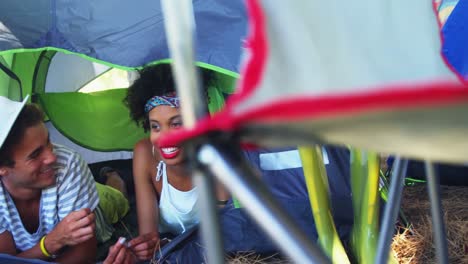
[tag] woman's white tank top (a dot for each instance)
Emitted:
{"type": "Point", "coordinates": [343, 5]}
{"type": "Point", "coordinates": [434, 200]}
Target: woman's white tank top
{"type": "Point", "coordinates": [177, 209]}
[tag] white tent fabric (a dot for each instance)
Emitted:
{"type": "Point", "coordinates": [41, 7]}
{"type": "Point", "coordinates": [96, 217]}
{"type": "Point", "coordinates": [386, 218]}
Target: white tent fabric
{"type": "Point", "coordinates": [90, 156]}
{"type": "Point", "coordinates": [78, 72]}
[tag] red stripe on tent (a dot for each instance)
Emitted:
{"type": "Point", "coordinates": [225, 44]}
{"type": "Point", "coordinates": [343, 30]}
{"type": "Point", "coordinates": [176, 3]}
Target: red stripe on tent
{"type": "Point", "coordinates": [397, 97]}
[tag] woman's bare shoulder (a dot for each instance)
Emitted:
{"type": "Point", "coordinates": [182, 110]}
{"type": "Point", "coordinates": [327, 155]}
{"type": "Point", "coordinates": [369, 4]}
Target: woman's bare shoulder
{"type": "Point", "coordinates": [143, 160]}
{"type": "Point", "coordinates": [143, 146]}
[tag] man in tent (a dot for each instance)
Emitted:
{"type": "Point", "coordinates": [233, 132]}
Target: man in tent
{"type": "Point", "coordinates": [48, 198]}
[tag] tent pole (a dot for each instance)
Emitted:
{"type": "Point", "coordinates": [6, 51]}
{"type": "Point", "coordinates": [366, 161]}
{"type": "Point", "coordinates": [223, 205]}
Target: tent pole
{"type": "Point", "coordinates": [179, 23]}
{"type": "Point", "coordinates": [180, 29]}
{"type": "Point", "coordinates": [231, 170]}
{"type": "Point", "coordinates": [392, 208]}
{"type": "Point", "coordinates": [13, 76]}
{"type": "Point", "coordinates": [438, 225]}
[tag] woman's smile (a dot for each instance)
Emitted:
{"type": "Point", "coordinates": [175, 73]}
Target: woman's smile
{"type": "Point", "coordinates": [169, 152]}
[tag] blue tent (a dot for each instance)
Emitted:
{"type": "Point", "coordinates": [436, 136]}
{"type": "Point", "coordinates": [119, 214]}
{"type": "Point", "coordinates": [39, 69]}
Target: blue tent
{"type": "Point", "coordinates": [456, 38]}
{"type": "Point", "coordinates": [281, 170]}
{"type": "Point", "coordinates": [120, 32]}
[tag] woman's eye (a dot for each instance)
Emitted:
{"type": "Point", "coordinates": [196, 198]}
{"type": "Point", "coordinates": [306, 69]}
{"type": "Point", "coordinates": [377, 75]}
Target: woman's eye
{"type": "Point", "coordinates": [177, 124]}
{"type": "Point", "coordinates": [154, 127]}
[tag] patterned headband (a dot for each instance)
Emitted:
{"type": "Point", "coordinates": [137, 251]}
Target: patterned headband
{"type": "Point", "coordinates": [170, 99]}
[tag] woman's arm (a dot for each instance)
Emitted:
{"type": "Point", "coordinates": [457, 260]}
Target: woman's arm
{"type": "Point", "coordinates": [146, 201]}
{"type": "Point", "coordinates": [120, 253]}
{"type": "Point", "coordinates": [221, 194]}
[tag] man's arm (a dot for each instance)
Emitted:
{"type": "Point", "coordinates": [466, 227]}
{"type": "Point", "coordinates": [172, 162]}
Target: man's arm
{"type": "Point", "coordinates": [73, 240]}
{"type": "Point", "coordinates": [7, 246]}
{"type": "Point", "coordinates": [81, 253]}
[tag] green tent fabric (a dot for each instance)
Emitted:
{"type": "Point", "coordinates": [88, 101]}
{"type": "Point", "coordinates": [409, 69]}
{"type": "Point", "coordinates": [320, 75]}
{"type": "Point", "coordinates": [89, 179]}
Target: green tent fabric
{"type": "Point", "coordinates": [98, 121]}
{"type": "Point", "coordinates": [95, 120]}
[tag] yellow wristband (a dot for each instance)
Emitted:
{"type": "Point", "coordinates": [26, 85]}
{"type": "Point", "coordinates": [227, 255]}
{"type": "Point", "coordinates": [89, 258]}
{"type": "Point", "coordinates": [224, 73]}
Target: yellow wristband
{"type": "Point", "coordinates": [43, 249]}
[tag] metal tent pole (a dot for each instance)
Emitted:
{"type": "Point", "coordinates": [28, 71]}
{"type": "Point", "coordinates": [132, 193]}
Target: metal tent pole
{"type": "Point", "coordinates": [438, 225]}
{"type": "Point", "coordinates": [392, 208]}
{"type": "Point", "coordinates": [180, 29]}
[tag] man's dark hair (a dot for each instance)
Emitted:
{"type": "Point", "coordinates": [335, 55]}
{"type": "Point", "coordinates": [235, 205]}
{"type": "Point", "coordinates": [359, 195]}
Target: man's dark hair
{"type": "Point", "coordinates": [154, 80]}
{"type": "Point", "coordinates": [29, 116]}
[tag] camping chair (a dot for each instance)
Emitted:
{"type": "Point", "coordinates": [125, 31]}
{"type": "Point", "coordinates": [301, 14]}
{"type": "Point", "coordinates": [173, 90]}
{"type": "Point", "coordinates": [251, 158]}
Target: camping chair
{"type": "Point", "coordinates": [390, 72]}
{"type": "Point", "coordinates": [393, 103]}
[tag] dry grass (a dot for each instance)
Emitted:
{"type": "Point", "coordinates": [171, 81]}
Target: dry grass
{"type": "Point", "coordinates": [252, 257]}
{"type": "Point", "coordinates": [415, 245]}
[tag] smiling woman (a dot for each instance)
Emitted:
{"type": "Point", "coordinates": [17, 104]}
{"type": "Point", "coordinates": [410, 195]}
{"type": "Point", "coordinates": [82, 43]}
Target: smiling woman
{"type": "Point", "coordinates": [165, 196]}
{"type": "Point", "coordinates": [163, 119]}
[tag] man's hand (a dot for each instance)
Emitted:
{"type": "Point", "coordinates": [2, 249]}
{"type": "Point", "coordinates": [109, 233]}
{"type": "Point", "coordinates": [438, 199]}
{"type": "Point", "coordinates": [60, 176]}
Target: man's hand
{"type": "Point", "coordinates": [144, 246]}
{"type": "Point", "coordinates": [77, 227]}
{"type": "Point", "coordinates": [119, 253]}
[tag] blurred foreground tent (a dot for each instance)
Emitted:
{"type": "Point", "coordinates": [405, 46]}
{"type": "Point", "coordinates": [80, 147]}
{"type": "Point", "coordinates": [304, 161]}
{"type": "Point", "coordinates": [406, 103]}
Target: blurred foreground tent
{"type": "Point", "coordinates": [367, 74]}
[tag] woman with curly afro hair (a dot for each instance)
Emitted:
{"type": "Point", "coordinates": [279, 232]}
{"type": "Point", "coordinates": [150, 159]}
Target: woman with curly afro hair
{"type": "Point", "coordinates": [165, 195]}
